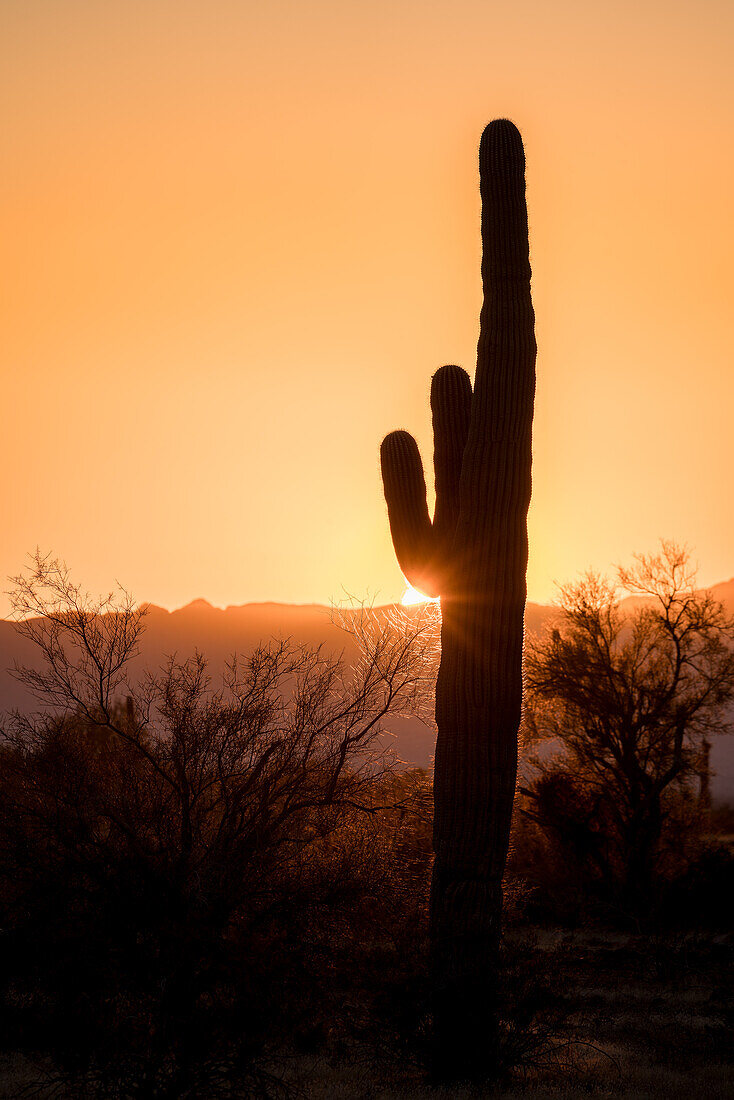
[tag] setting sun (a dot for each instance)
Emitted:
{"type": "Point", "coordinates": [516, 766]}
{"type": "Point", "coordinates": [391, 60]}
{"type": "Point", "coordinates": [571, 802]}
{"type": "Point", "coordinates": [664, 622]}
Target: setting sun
{"type": "Point", "coordinates": [413, 596]}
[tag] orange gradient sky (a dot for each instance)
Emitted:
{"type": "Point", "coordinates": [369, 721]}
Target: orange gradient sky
{"type": "Point", "coordinates": [240, 237]}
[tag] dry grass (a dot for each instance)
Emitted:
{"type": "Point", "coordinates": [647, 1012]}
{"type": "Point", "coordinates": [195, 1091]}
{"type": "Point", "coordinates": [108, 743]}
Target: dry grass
{"type": "Point", "coordinates": [645, 1017]}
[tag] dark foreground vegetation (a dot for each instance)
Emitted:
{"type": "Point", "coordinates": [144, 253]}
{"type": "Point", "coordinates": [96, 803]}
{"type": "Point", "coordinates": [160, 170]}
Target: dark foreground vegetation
{"type": "Point", "coordinates": [222, 889]}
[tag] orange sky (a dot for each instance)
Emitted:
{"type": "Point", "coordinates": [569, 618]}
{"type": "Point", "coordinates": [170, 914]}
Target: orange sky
{"type": "Point", "coordinates": [240, 237]}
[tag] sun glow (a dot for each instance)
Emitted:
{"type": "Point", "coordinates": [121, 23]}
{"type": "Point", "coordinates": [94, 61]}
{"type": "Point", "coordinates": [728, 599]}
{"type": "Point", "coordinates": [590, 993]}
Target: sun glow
{"type": "Point", "coordinates": [412, 596]}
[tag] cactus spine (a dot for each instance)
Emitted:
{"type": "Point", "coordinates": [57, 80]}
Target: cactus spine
{"type": "Point", "coordinates": [474, 555]}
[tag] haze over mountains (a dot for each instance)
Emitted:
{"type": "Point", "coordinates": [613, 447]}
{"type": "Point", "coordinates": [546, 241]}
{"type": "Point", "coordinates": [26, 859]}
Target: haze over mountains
{"type": "Point", "coordinates": [218, 633]}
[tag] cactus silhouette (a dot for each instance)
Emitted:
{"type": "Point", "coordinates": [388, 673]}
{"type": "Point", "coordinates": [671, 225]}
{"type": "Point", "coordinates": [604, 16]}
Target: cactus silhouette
{"type": "Point", "coordinates": [474, 555]}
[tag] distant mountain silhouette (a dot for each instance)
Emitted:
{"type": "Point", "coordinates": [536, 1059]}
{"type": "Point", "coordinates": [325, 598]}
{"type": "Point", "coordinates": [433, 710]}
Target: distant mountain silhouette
{"type": "Point", "coordinates": [218, 633]}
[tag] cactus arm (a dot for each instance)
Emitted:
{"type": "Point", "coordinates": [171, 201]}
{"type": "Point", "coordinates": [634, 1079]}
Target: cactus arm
{"type": "Point", "coordinates": [407, 508]}
{"type": "Point", "coordinates": [422, 547]}
{"type": "Point", "coordinates": [451, 400]}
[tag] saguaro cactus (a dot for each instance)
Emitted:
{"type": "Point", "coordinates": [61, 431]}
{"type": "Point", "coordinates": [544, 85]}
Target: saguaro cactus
{"type": "Point", "coordinates": [474, 555]}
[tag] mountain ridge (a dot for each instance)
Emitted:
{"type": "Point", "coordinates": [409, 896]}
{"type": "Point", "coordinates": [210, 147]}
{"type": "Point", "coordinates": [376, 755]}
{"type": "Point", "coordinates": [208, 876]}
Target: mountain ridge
{"type": "Point", "coordinates": [218, 633]}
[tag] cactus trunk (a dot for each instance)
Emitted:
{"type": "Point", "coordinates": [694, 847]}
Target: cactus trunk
{"type": "Point", "coordinates": [474, 555]}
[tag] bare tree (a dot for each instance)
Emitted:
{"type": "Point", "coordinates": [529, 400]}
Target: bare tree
{"type": "Point", "coordinates": [280, 702]}
{"type": "Point", "coordinates": [633, 690]}
{"type": "Point", "coordinates": [86, 644]}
